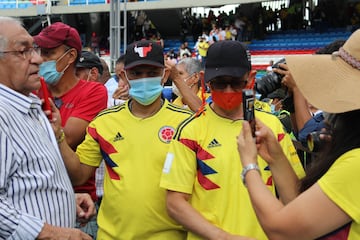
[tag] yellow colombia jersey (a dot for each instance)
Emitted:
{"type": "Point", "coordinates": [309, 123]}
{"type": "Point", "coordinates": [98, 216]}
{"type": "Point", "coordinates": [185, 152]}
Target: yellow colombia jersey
{"type": "Point", "coordinates": [134, 150]}
{"type": "Point", "coordinates": [340, 183]}
{"type": "Point", "coordinates": [203, 161]}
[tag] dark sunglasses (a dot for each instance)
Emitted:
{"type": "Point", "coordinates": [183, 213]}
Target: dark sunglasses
{"type": "Point", "coordinates": [221, 84]}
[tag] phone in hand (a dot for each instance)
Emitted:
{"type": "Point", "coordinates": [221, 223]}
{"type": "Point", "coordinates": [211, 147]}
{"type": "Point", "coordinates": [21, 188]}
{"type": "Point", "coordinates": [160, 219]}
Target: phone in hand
{"type": "Point", "coordinates": [44, 93]}
{"type": "Point", "coordinates": [248, 108]}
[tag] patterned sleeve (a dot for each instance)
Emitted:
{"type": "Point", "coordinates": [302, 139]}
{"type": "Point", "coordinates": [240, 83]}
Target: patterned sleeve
{"type": "Point", "coordinates": [89, 151]}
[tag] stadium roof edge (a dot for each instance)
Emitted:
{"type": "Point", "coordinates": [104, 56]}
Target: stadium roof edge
{"type": "Point", "coordinates": [130, 6]}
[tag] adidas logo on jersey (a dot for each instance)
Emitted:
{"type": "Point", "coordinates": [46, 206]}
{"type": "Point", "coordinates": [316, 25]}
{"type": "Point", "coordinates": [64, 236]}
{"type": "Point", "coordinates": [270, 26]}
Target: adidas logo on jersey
{"type": "Point", "coordinates": [214, 143]}
{"type": "Point", "coordinates": [118, 137]}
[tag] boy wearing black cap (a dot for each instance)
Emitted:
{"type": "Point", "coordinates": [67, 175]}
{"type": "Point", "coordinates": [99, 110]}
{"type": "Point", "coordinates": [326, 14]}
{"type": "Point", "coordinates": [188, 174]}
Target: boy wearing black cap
{"type": "Point", "coordinates": [133, 139]}
{"type": "Point", "coordinates": [202, 168]}
{"type": "Point", "coordinates": [78, 101]}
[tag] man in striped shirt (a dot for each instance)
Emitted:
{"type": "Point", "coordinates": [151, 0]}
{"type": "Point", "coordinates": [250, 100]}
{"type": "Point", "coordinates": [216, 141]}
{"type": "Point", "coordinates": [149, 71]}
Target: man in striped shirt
{"type": "Point", "coordinates": [36, 196]}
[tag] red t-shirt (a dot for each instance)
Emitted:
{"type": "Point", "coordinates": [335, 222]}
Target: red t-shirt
{"type": "Point", "coordinates": [83, 101]}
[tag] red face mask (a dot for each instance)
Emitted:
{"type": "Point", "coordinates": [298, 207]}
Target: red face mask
{"type": "Point", "coordinates": [227, 100]}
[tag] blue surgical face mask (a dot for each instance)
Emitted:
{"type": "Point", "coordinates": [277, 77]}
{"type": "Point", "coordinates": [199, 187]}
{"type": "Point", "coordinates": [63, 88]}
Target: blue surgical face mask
{"type": "Point", "coordinates": [273, 108]}
{"type": "Point", "coordinates": [49, 72]}
{"type": "Point", "coordinates": [145, 90]}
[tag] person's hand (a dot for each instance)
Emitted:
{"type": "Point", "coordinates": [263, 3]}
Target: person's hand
{"type": "Point", "coordinates": [85, 207]}
{"type": "Point", "coordinates": [174, 74]}
{"type": "Point", "coordinates": [49, 232]}
{"type": "Point", "coordinates": [266, 144]}
{"type": "Point", "coordinates": [287, 79]}
{"type": "Point", "coordinates": [122, 91]}
{"type": "Point", "coordinates": [246, 145]}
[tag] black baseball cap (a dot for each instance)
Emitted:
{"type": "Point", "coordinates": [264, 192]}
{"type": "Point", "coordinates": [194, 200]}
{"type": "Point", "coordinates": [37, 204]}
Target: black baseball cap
{"type": "Point", "coordinates": [226, 58]}
{"type": "Point", "coordinates": [144, 52]}
{"type": "Point", "coordinates": [89, 60]}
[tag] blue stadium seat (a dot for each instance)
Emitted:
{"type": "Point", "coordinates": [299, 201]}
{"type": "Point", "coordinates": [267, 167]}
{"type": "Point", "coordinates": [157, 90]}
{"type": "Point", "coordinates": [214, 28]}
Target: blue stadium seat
{"type": "Point", "coordinates": [24, 4]}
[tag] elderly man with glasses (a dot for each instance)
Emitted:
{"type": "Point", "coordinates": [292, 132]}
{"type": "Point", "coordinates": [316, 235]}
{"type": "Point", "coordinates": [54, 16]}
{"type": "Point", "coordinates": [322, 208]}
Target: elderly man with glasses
{"type": "Point", "coordinates": [37, 200]}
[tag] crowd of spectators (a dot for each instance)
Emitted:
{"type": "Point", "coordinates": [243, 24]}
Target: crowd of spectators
{"type": "Point", "coordinates": [260, 20]}
{"type": "Point", "coordinates": [186, 147]}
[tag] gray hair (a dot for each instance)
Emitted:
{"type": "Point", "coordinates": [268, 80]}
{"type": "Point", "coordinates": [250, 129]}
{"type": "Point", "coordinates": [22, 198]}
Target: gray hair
{"type": "Point", "coordinates": [191, 65]}
{"type": "Point", "coordinates": [3, 39]}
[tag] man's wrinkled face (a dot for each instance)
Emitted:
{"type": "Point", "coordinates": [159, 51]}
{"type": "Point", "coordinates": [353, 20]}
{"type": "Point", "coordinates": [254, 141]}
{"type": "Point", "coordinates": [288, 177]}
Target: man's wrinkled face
{"type": "Point", "coordinates": [19, 65]}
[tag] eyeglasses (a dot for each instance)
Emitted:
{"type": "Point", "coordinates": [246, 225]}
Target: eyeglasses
{"type": "Point", "coordinates": [221, 84]}
{"type": "Point", "coordinates": [27, 53]}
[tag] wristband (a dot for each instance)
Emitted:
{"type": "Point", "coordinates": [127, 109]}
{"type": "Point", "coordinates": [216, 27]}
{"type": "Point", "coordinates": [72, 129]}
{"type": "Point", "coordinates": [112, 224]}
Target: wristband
{"type": "Point", "coordinates": [61, 138]}
{"type": "Point", "coordinates": [247, 168]}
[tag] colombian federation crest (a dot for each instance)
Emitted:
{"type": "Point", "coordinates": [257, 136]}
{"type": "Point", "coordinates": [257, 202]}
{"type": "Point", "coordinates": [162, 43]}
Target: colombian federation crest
{"type": "Point", "coordinates": [166, 133]}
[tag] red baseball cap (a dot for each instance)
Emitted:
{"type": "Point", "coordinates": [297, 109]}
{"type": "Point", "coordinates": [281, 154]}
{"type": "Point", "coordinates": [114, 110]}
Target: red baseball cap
{"type": "Point", "coordinates": [58, 34]}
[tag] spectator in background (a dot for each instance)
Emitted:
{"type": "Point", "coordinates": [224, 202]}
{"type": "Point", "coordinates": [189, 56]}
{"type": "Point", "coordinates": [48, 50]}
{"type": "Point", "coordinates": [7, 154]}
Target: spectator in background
{"type": "Point", "coordinates": [94, 44]}
{"type": "Point", "coordinates": [78, 100]}
{"type": "Point", "coordinates": [201, 171]}
{"type": "Point", "coordinates": [276, 106]}
{"type": "Point", "coordinates": [186, 84]}
{"type": "Point", "coordinates": [328, 190]}
{"type": "Point", "coordinates": [133, 139]}
{"type": "Point", "coordinates": [172, 56]}
{"type": "Point", "coordinates": [105, 76]}
{"type": "Point", "coordinates": [37, 200]}
{"type": "Point", "coordinates": [117, 90]}
{"type": "Point", "coordinates": [89, 67]}
{"type": "Point", "coordinates": [202, 48]}
{"type": "Point", "coordinates": [305, 117]}
{"type": "Point", "coordinates": [184, 51]}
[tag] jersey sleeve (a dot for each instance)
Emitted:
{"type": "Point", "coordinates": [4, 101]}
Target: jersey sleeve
{"type": "Point", "coordinates": [89, 151]}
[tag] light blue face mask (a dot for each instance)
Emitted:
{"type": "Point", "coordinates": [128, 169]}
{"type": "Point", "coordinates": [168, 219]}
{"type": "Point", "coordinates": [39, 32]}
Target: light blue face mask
{"type": "Point", "coordinates": [145, 90]}
{"type": "Point", "coordinates": [272, 107]}
{"type": "Point", "coordinates": [49, 72]}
